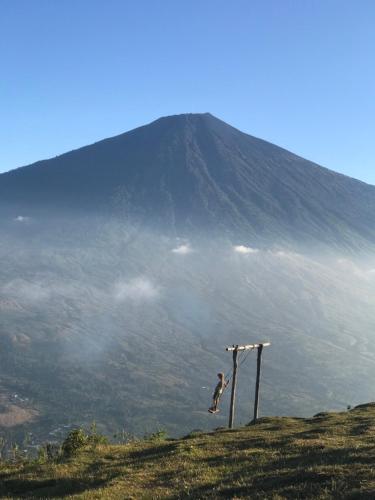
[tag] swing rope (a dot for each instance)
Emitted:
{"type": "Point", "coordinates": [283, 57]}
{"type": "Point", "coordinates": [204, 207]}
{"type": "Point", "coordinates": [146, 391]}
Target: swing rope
{"type": "Point", "coordinates": [229, 375]}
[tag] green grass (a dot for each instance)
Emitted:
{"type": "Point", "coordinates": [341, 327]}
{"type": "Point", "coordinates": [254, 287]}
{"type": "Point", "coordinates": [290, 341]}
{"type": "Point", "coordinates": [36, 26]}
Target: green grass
{"type": "Point", "coordinates": [329, 456]}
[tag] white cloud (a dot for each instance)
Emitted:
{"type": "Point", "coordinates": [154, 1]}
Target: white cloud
{"type": "Point", "coordinates": [136, 289]}
{"type": "Point", "coordinates": [244, 250]}
{"type": "Point", "coordinates": [281, 253]}
{"type": "Point", "coordinates": [183, 249]}
{"type": "Point", "coordinates": [21, 218]}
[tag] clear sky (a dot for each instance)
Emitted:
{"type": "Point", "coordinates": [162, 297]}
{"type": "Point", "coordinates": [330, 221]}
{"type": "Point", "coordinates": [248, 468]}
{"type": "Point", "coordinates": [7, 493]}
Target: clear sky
{"type": "Point", "coordinates": [299, 73]}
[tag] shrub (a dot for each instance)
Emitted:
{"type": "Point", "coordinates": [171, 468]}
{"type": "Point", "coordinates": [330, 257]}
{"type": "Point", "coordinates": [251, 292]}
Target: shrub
{"type": "Point", "coordinates": [124, 437]}
{"type": "Point", "coordinates": [94, 437]}
{"type": "Point", "coordinates": [78, 438]}
{"type": "Point", "coordinates": [42, 454]}
{"type": "Point", "coordinates": [49, 452]}
{"type": "Point", "coordinates": [75, 440]}
{"type": "Point", "coordinates": [160, 435]}
{"type": "Point", "coordinates": [53, 451]}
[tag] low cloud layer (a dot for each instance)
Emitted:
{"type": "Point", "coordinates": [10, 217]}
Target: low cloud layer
{"type": "Point", "coordinates": [136, 289]}
{"type": "Point", "coordinates": [183, 249]}
{"type": "Point", "coordinates": [38, 292]}
{"type": "Point", "coordinates": [241, 249]}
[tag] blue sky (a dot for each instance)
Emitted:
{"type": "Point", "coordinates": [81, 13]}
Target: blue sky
{"type": "Point", "coordinates": [299, 73]}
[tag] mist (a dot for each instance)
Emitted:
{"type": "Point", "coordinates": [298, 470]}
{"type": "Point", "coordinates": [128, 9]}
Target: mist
{"type": "Point", "coordinates": [128, 326]}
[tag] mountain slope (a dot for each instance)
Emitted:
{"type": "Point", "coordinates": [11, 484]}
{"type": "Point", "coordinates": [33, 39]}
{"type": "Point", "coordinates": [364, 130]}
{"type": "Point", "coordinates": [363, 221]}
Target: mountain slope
{"type": "Point", "coordinates": [190, 172]}
{"type": "Point", "coordinates": [118, 326]}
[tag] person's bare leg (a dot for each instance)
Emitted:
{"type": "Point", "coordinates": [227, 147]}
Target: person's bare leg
{"type": "Point", "coordinates": [214, 407]}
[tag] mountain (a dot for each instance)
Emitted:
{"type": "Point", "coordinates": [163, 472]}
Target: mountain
{"type": "Point", "coordinates": [194, 172]}
{"type": "Point", "coordinates": [128, 266]}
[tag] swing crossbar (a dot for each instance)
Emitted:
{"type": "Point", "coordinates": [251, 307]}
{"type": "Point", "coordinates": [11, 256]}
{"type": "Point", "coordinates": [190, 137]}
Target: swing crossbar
{"type": "Point", "coordinates": [247, 347]}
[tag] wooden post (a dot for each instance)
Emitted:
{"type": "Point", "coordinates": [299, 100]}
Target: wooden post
{"type": "Point", "coordinates": [233, 394]}
{"type": "Point", "coordinates": [259, 364]}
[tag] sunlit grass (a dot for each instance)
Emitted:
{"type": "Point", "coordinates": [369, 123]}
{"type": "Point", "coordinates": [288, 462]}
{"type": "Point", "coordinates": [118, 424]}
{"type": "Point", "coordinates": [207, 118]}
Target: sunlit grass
{"type": "Point", "coordinates": [331, 455]}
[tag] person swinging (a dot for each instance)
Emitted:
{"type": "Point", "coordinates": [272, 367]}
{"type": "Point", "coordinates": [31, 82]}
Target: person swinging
{"type": "Point", "coordinates": [219, 389]}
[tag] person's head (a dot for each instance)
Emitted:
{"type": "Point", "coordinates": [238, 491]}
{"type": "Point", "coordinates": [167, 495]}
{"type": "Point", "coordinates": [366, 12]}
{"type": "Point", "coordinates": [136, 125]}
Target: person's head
{"type": "Point", "coordinates": [220, 375]}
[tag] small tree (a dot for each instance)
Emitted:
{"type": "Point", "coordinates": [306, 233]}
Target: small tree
{"type": "Point", "coordinates": [75, 440]}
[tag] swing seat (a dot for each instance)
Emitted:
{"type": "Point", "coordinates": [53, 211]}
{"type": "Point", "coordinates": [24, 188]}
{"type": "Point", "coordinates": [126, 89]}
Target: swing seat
{"type": "Point", "coordinates": [210, 410]}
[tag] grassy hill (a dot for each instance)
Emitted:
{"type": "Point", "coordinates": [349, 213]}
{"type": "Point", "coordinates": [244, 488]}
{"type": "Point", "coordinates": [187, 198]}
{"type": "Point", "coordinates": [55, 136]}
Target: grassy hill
{"type": "Point", "coordinates": [331, 455]}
